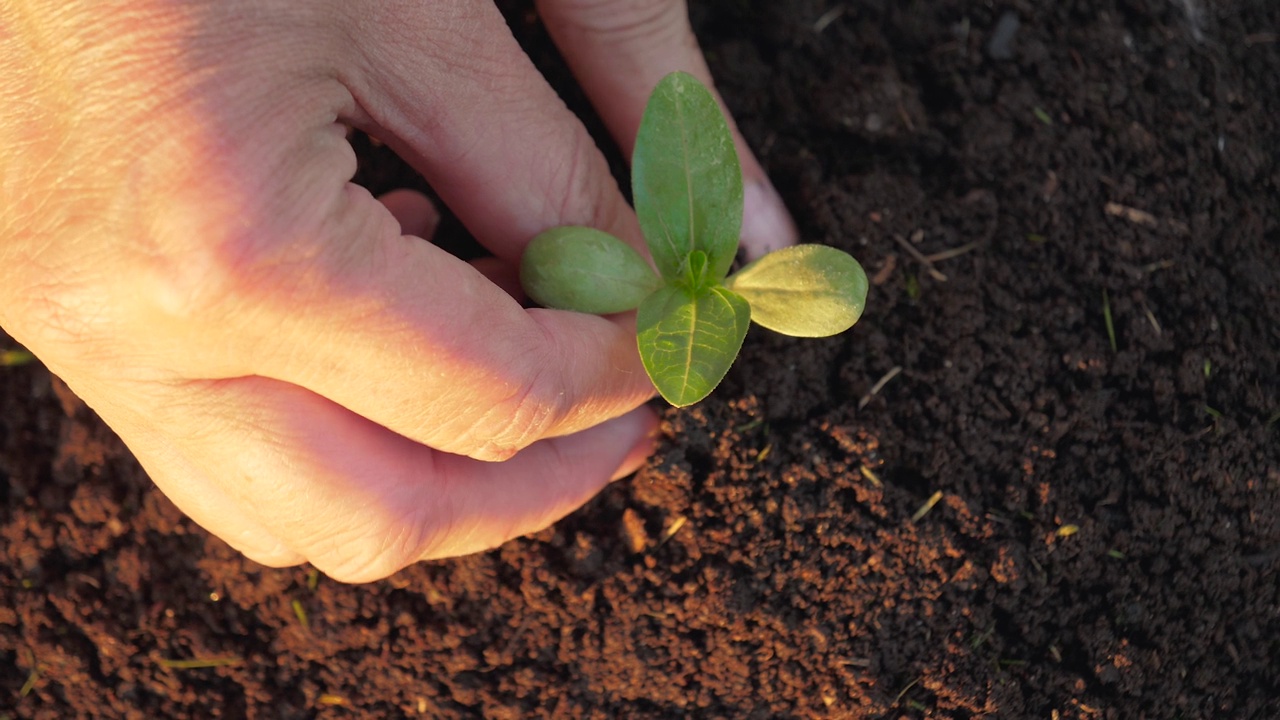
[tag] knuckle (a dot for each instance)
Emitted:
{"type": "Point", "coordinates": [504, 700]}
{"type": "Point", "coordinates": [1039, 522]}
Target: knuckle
{"type": "Point", "coordinates": [580, 190]}
{"type": "Point", "coordinates": [236, 233]}
{"type": "Point", "coordinates": [522, 419]}
{"type": "Point", "coordinates": [534, 404]}
{"type": "Point", "coordinates": [226, 265]}
{"type": "Point", "coordinates": [215, 262]}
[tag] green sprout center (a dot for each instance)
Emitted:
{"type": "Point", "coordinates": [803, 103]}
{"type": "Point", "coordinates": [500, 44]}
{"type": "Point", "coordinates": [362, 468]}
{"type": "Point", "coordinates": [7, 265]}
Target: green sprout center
{"type": "Point", "coordinates": [697, 272]}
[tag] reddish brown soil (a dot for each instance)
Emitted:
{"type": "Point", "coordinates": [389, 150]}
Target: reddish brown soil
{"type": "Point", "coordinates": [1107, 539]}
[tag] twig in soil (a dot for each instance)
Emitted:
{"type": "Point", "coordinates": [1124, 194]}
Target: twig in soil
{"type": "Point", "coordinates": [30, 684]}
{"type": "Point", "coordinates": [886, 269]}
{"type": "Point", "coordinates": [1133, 215]}
{"type": "Point", "coordinates": [827, 18]}
{"type": "Point", "coordinates": [300, 613]}
{"type": "Point", "coordinates": [920, 258]}
{"type": "Point", "coordinates": [906, 118]}
{"type": "Point", "coordinates": [200, 663]}
{"type": "Point", "coordinates": [1152, 319]}
{"type": "Point", "coordinates": [1106, 317]}
{"type": "Point", "coordinates": [980, 640]}
{"type": "Point", "coordinates": [927, 506]}
{"type": "Point", "coordinates": [1262, 558]}
{"type": "Point", "coordinates": [1262, 38]}
{"type": "Point", "coordinates": [869, 474]}
{"type": "Point", "coordinates": [875, 389]}
{"type": "Point", "coordinates": [952, 253]}
{"type": "Point", "coordinates": [910, 685]}
{"type": "Point", "coordinates": [671, 530]}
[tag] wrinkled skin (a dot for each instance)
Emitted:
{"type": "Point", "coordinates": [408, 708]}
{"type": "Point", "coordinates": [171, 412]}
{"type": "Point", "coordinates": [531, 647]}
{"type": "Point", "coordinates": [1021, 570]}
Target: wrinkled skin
{"type": "Point", "coordinates": [291, 362]}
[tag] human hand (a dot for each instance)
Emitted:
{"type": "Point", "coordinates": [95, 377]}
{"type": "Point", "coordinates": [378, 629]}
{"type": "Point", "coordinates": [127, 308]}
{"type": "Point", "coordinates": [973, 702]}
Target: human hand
{"type": "Point", "coordinates": [294, 367]}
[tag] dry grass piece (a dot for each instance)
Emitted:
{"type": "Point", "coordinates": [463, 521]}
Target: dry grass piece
{"type": "Point", "coordinates": [920, 258]}
{"type": "Point", "coordinates": [875, 389]}
{"type": "Point", "coordinates": [1133, 215]}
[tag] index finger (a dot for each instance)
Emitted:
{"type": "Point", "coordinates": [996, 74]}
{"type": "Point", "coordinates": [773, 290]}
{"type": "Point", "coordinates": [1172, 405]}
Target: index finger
{"type": "Point", "coordinates": [619, 50]}
{"type": "Point", "coordinates": [461, 101]}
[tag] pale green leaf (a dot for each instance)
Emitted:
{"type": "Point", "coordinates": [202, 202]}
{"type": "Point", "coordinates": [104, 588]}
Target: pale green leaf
{"type": "Point", "coordinates": [688, 342]}
{"type": "Point", "coordinates": [584, 269]}
{"type": "Point", "coordinates": [803, 290]}
{"type": "Point", "coordinates": [686, 179]}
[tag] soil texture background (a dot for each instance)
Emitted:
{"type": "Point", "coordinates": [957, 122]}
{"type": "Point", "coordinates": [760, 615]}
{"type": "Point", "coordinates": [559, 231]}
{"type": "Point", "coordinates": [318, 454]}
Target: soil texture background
{"type": "Point", "coordinates": [1039, 479]}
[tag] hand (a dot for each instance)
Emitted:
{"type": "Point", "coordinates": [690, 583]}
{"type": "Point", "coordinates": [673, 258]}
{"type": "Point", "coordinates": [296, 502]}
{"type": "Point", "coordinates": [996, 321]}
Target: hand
{"type": "Point", "coordinates": [294, 367]}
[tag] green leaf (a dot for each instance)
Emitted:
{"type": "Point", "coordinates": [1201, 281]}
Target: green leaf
{"type": "Point", "coordinates": [696, 272]}
{"type": "Point", "coordinates": [687, 342]}
{"type": "Point", "coordinates": [803, 290]}
{"type": "Point", "coordinates": [584, 269]}
{"type": "Point", "coordinates": [685, 178]}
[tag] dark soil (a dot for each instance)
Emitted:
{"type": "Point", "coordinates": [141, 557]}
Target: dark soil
{"type": "Point", "coordinates": [1065, 504]}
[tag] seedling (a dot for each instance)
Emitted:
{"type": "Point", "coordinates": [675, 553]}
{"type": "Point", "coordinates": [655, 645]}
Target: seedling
{"type": "Point", "coordinates": [693, 315]}
{"type": "Point", "coordinates": [1106, 318]}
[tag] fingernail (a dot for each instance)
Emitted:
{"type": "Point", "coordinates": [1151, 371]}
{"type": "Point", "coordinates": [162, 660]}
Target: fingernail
{"type": "Point", "coordinates": [646, 422]}
{"type": "Point", "coordinates": [766, 224]}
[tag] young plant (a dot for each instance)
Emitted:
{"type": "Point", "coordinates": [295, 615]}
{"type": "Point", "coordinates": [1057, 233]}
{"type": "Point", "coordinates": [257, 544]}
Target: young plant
{"type": "Point", "coordinates": [693, 315]}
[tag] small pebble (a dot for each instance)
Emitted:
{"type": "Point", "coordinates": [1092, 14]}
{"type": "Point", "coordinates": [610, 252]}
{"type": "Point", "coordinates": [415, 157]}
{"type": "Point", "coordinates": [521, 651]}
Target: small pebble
{"type": "Point", "coordinates": [633, 532]}
{"type": "Point", "coordinates": [1000, 46]}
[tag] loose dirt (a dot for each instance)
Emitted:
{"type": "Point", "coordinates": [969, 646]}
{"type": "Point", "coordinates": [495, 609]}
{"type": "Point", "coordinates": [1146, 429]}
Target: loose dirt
{"type": "Point", "coordinates": [1062, 502]}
